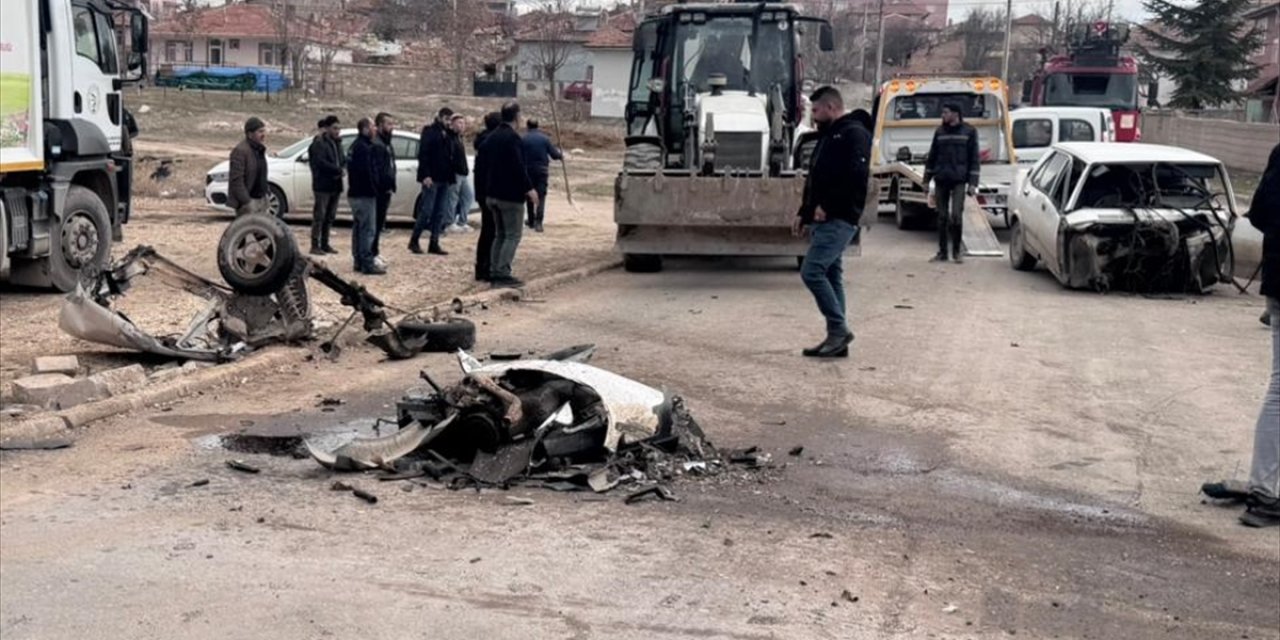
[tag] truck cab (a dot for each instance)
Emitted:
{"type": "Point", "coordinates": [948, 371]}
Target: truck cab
{"type": "Point", "coordinates": [65, 156]}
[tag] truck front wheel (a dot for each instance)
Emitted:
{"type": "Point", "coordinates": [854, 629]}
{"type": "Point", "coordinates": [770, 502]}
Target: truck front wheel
{"type": "Point", "coordinates": [82, 240]}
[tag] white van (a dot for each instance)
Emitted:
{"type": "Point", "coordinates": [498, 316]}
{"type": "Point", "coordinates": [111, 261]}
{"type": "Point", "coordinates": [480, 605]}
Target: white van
{"type": "Point", "coordinates": [1036, 129]}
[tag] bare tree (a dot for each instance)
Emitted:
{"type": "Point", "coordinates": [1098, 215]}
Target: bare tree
{"type": "Point", "coordinates": [467, 28]}
{"type": "Point", "coordinates": [850, 45]}
{"type": "Point", "coordinates": [553, 46]}
{"type": "Point", "coordinates": [983, 36]}
{"type": "Point", "coordinates": [903, 40]}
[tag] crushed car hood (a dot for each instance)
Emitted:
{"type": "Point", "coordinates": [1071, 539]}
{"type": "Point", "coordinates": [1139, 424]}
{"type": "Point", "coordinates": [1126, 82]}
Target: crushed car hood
{"type": "Point", "coordinates": [1082, 218]}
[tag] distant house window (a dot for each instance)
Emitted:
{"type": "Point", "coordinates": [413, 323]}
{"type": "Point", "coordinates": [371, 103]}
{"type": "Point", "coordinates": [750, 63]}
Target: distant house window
{"type": "Point", "coordinates": [270, 54]}
{"type": "Point", "coordinates": [234, 44]}
{"type": "Point", "coordinates": [178, 51]}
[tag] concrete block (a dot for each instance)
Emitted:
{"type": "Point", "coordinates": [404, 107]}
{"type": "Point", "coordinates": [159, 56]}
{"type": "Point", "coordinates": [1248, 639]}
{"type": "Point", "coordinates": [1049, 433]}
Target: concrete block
{"type": "Point", "coordinates": [114, 382]}
{"type": "Point", "coordinates": [69, 365]}
{"type": "Point", "coordinates": [54, 390]}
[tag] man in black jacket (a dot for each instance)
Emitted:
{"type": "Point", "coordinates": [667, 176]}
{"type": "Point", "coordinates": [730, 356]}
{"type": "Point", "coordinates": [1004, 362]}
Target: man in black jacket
{"type": "Point", "coordinates": [384, 157]}
{"type": "Point", "coordinates": [327, 166]}
{"type": "Point", "coordinates": [834, 194]}
{"type": "Point", "coordinates": [436, 174]}
{"type": "Point", "coordinates": [953, 165]}
{"type": "Point", "coordinates": [484, 246]}
{"type": "Point", "coordinates": [506, 187]}
{"type": "Point", "coordinates": [1262, 494]}
{"type": "Point", "coordinates": [362, 194]}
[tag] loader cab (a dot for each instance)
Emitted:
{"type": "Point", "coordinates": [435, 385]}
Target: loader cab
{"type": "Point", "coordinates": [751, 51]}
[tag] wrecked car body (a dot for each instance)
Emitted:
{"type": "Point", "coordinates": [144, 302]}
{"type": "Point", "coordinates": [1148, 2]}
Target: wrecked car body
{"type": "Point", "coordinates": [1135, 217]}
{"type": "Point", "coordinates": [267, 302]}
{"type": "Point", "coordinates": [560, 422]}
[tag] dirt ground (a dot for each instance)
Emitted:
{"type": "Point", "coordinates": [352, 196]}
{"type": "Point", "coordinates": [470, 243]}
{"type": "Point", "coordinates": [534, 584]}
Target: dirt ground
{"type": "Point", "coordinates": [999, 458]}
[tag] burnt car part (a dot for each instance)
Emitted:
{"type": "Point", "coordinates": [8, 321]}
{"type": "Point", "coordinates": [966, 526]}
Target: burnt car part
{"type": "Point", "coordinates": [551, 420]}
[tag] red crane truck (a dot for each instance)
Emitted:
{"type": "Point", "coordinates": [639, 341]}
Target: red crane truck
{"type": "Point", "coordinates": [1092, 73]}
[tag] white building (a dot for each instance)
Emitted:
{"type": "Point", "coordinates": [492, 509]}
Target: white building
{"type": "Point", "coordinates": [610, 51]}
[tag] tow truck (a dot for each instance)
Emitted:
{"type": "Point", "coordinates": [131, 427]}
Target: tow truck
{"type": "Point", "coordinates": [907, 112]}
{"type": "Point", "coordinates": [1091, 73]}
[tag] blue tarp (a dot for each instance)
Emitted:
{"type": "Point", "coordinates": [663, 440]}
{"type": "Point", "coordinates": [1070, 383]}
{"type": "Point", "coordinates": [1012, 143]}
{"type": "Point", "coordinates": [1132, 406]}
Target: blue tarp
{"type": "Point", "coordinates": [226, 78]}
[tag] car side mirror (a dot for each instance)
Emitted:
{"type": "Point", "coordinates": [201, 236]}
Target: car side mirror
{"type": "Point", "coordinates": [304, 158]}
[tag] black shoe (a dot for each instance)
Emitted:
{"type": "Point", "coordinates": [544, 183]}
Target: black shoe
{"type": "Point", "coordinates": [1265, 318]}
{"type": "Point", "coordinates": [373, 270]}
{"type": "Point", "coordinates": [506, 283]}
{"type": "Point", "coordinates": [1225, 490]}
{"type": "Point", "coordinates": [941, 257]}
{"type": "Point", "coordinates": [1261, 512]}
{"type": "Point", "coordinates": [483, 277]}
{"type": "Point", "coordinates": [317, 251]}
{"type": "Point", "coordinates": [958, 259]}
{"type": "Point", "coordinates": [538, 227]}
{"type": "Point", "coordinates": [329, 250]}
{"type": "Point", "coordinates": [832, 347]}
{"type": "Point", "coordinates": [437, 250]}
{"type": "Point", "coordinates": [415, 248]}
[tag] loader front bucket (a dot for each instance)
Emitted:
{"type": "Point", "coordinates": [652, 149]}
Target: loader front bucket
{"type": "Point", "coordinates": [682, 214]}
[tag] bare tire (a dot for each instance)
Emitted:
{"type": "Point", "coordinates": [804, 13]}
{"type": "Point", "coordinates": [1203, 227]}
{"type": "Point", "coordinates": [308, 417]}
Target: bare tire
{"type": "Point", "coordinates": [82, 241]}
{"type": "Point", "coordinates": [1018, 255]}
{"type": "Point", "coordinates": [277, 204]}
{"type": "Point", "coordinates": [256, 254]}
{"type": "Point", "coordinates": [442, 337]}
{"type": "Point", "coordinates": [642, 262]}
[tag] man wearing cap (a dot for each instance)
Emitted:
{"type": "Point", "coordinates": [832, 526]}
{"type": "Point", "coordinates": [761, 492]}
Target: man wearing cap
{"type": "Point", "coordinates": [327, 168]}
{"type": "Point", "coordinates": [953, 165]}
{"type": "Point", "coordinates": [247, 176]}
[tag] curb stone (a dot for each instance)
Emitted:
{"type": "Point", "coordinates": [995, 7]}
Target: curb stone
{"type": "Point", "coordinates": [57, 423]}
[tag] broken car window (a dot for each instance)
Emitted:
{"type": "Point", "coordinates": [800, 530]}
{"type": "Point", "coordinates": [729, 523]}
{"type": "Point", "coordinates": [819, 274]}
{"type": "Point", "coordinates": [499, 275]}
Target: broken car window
{"type": "Point", "coordinates": [1157, 185]}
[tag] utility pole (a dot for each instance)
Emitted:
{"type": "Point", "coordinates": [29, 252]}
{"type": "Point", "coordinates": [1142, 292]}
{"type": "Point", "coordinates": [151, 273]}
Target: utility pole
{"type": "Point", "coordinates": [879, 52]}
{"type": "Point", "coordinates": [1008, 41]}
{"type": "Point", "coordinates": [862, 49]}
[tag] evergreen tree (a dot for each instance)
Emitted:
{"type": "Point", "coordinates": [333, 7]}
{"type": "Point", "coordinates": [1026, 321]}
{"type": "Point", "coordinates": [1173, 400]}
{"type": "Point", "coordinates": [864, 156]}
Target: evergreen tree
{"type": "Point", "coordinates": [1204, 47]}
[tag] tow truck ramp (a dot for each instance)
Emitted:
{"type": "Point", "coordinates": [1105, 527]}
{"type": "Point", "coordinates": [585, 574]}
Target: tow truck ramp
{"type": "Point", "coordinates": [979, 238]}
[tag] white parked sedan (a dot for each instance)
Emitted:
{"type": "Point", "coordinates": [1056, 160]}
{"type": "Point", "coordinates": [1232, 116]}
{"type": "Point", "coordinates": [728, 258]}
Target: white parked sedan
{"type": "Point", "coordinates": [1133, 216]}
{"type": "Point", "coordinates": [289, 178]}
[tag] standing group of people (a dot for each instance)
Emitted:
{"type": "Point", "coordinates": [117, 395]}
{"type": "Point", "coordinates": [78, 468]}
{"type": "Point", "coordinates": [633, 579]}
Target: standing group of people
{"type": "Point", "coordinates": [511, 177]}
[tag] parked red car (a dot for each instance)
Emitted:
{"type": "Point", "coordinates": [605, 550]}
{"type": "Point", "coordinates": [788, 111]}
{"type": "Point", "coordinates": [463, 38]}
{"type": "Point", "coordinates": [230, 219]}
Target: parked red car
{"type": "Point", "coordinates": [579, 90]}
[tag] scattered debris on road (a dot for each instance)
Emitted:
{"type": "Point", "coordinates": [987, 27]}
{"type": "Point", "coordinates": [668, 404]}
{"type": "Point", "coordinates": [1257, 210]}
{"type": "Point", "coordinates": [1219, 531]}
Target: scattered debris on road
{"type": "Point", "coordinates": [557, 423]}
{"type": "Point", "coordinates": [43, 444]}
{"type": "Point", "coordinates": [795, 452]}
{"type": "Point", "coordinates": [240, 465]}
{"type": "Point", "coordinates": [200, 483]}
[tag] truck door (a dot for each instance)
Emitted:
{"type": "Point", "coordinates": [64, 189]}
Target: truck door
{"type": "Point", "coordinates": [639, 111]}
{"type": "Point", "coordinates": [96, 73]}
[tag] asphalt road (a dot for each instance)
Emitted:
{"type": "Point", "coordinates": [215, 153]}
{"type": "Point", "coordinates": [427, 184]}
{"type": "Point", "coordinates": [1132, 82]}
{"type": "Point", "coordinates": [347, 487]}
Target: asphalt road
{"type": "Point", "coordinates": [997, 457]}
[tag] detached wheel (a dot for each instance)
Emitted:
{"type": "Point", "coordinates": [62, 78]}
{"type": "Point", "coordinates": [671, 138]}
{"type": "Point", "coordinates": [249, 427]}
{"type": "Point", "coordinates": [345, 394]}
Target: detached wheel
{"type": "Point", "coordinates": [442, 337]}
{"type": "Point", "coordinates": [82, 240]}
{"type": "Point", "coordinates": [277, 204]}
{"type": "Point", "coordinates": [1018, 256]}
{"type": "Point", "coordinates": [256, 254]}
{"type": "Point", "coordinates": [642, 262]}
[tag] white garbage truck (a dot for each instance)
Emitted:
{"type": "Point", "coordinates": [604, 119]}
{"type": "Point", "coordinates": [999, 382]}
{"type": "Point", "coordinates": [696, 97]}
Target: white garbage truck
{"type": "Point", "coordinates": [65, 157]}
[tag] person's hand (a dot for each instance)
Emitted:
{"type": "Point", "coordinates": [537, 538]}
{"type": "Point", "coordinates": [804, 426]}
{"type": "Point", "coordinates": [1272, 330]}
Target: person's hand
{"type": "Point", "coordinates": [970, 190]}
{"type": "Point", "coordinates": [426, 182]}
{"type": "Point", "coordinates": [797, 226]}
{"type": "Point", "coordinates": [533, 197]}
{"type": "Point", "coordinates": [819, 214]}
{"type": "Point", "coordinates": [933, 200]}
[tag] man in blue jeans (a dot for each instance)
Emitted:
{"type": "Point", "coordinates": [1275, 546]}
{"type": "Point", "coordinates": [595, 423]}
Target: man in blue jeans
{"type": "Point", "coordinates": [436, 174]}
{"type": "Point", "coordinates": [364, 177]}
{"type": "Point", "coordinates": [834, 195]}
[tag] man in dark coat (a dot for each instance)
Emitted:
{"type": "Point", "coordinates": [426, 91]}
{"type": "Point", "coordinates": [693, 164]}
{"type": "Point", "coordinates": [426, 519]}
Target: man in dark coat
{"type": "Point", "coordinates": [834, 196]}
{"type": "Point", "coordinates": [327, 168]}
{"type": "Point", "coordinates": [362, 193]}
{"type": "Point", "coordinates": [507, 186]}
{"type": "Point", "coordinates": [384, 156]}
{"type": "Point", "coordinates": [538, 154]}
{"type": "Point", "coordinates": [954, 165]}
{"type": "Point", "coordinates": [436, 174]}
{"type": "Point", "coordinates": [247, 175]}
{"type": "Point", "coordinates": [1262, 493]}
{"type": "Point", "coordinates": [484, 246]}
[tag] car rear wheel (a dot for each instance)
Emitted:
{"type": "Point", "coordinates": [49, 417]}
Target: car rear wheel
{"type": "Point", "coordinates": [1018, 255]}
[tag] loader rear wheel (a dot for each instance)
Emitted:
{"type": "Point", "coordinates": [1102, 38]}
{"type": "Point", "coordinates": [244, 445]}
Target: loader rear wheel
{"type": "Point", "coordinates": [642, 262]}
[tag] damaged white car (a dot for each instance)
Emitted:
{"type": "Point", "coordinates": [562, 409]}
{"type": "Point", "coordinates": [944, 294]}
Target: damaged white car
{"type": "Point", "coordinates": [1124, 216]}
